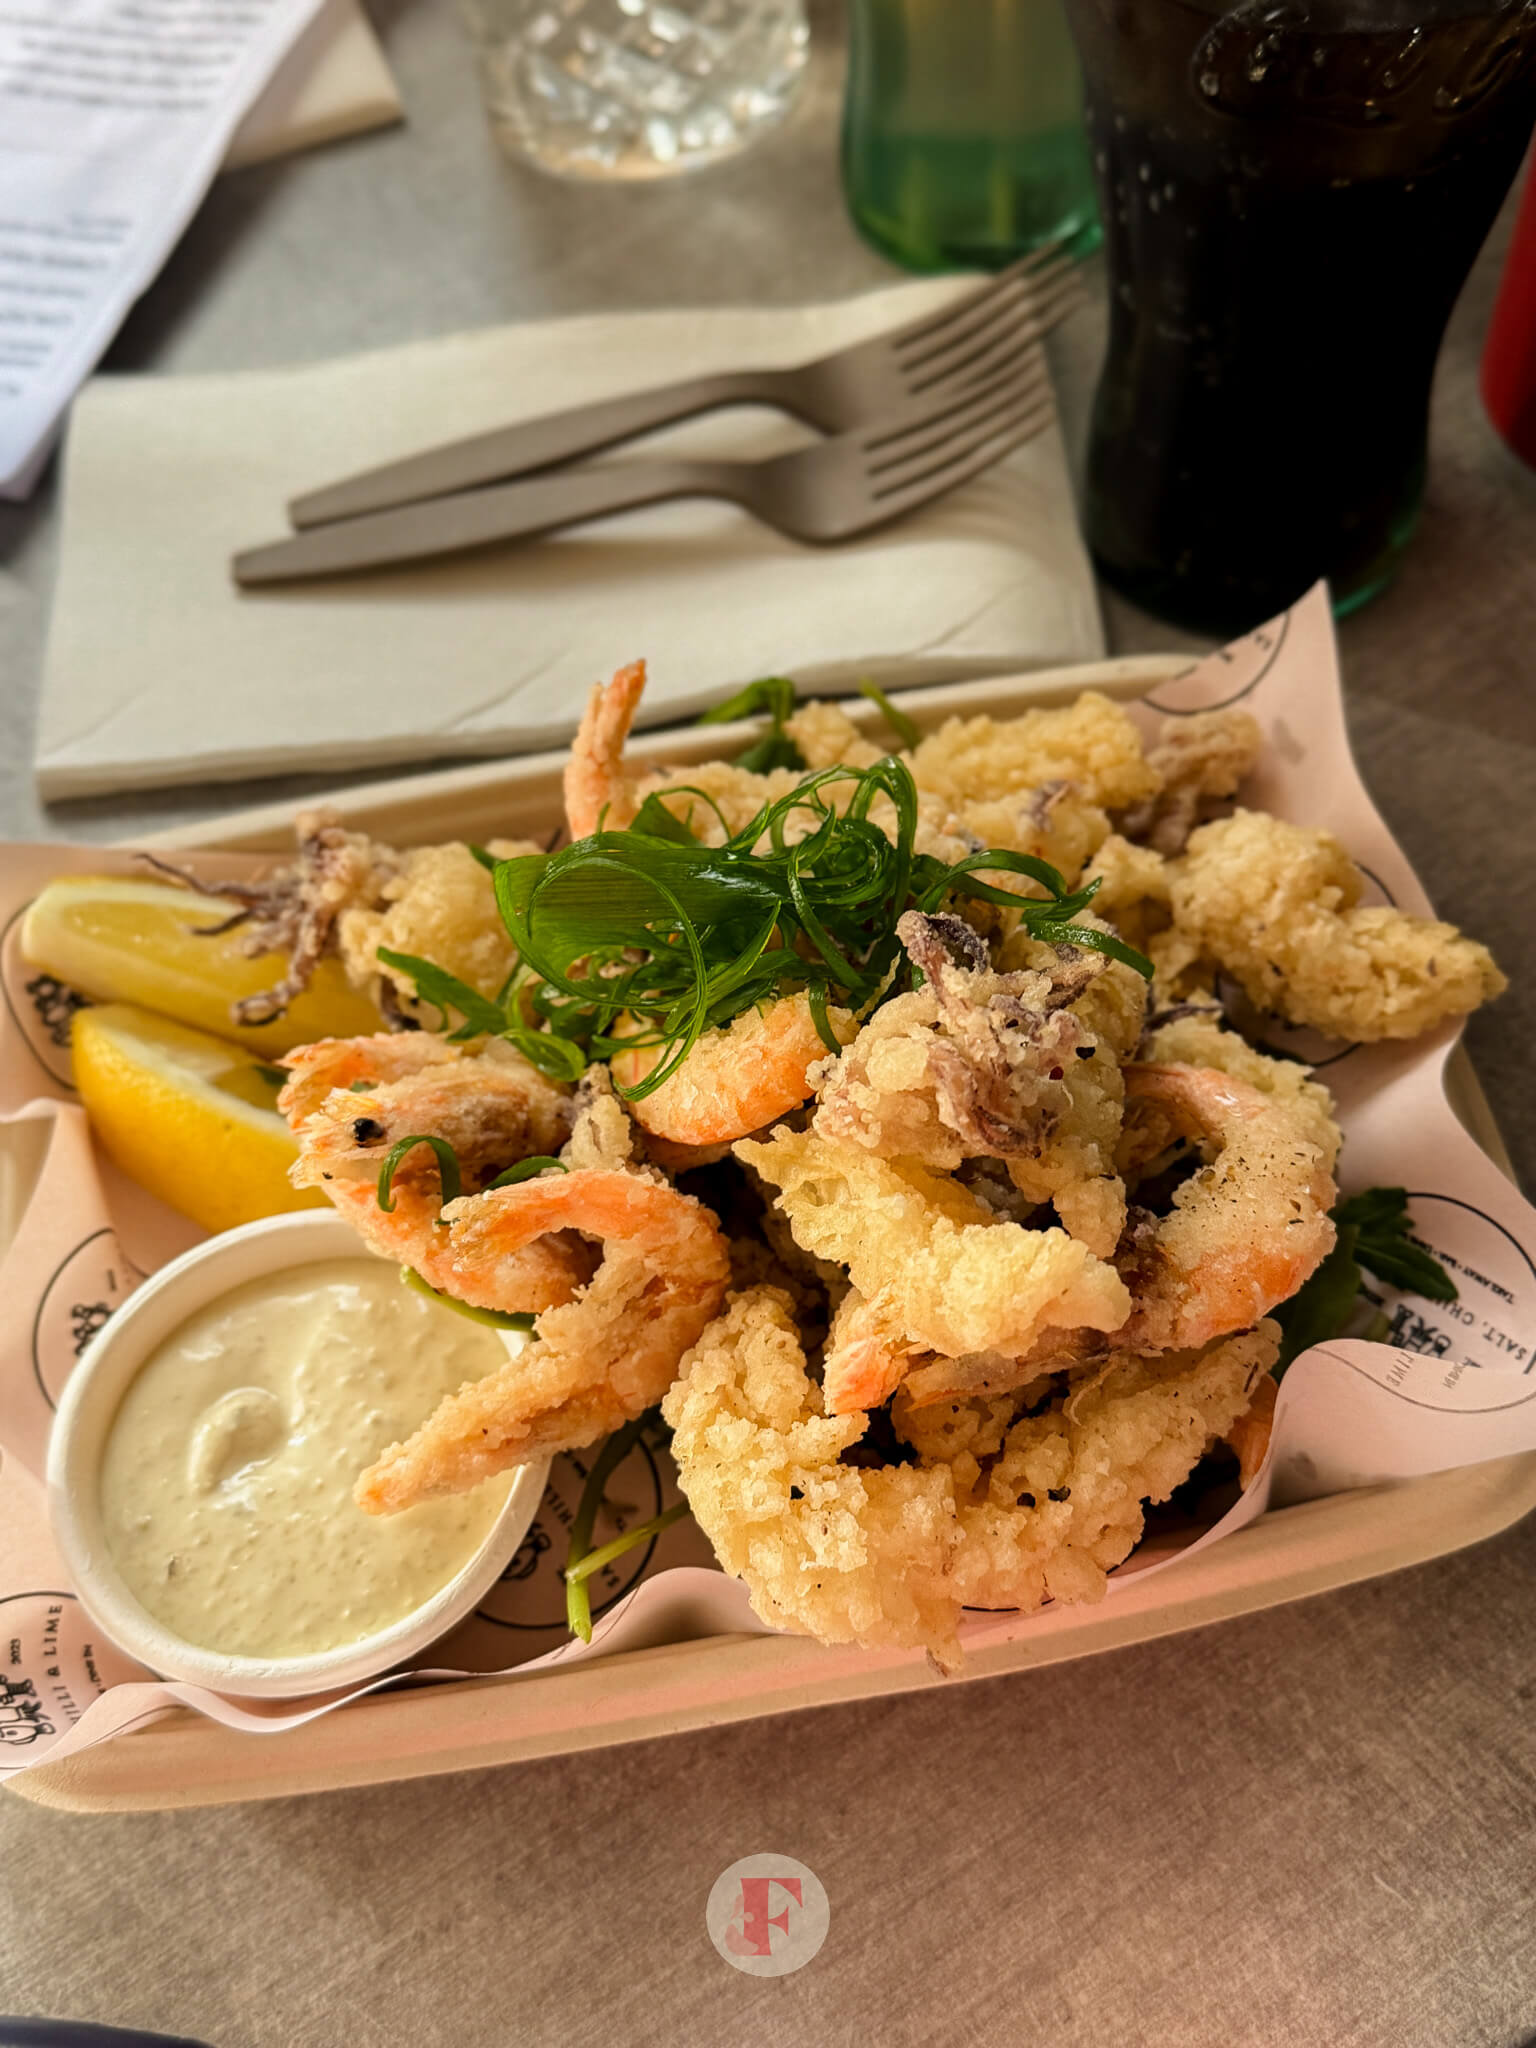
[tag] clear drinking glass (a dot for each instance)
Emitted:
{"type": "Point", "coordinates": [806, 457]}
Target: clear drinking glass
{"type": "Point", "coordinates": [1293, 192]}
{"type": "Point", "coordinates": [635, 88]}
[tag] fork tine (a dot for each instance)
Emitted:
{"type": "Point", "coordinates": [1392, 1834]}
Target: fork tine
{"type": "Point", "coordinates": [901, 439]}
{"type": "Point", "coordinates": [1000, 442]}
{"type": "Point", "coordinates": [1021, 272]}
{"type": "Point", "coordinates": [914, 352]}
{"type": "Point", "coordinates": [1019, 324]}
{"type": "Point", "coordinates": [935, 459]}
{"type": "Point", "coordinates": [1009, 345]}
{"type": "Point", "coordinates": [926, 469]}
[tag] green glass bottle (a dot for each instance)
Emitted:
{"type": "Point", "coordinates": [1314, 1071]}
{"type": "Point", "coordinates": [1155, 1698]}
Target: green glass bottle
{"type": "Point", "coordinates": [963, 137]}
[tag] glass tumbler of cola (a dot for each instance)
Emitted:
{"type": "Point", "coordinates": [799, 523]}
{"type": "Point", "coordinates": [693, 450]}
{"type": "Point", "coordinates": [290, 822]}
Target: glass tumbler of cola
{"type": "Point", "coordinates": [1293, 192]}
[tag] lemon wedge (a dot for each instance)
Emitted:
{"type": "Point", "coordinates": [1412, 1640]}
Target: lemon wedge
{"type": "Point", "coordinates": [187, 1116]}
{"type": "Point", "coordinates": [123, 940]}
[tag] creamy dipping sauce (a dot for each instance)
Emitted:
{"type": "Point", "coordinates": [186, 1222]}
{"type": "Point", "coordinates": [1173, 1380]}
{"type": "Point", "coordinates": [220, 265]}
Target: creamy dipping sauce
{"type": "Point", "coordinates": [226, 1483]}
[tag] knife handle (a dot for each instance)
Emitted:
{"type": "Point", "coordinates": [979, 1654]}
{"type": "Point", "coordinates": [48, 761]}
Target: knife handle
{"type": "Point", "coordinates": [508, 452]}
{"type": "Point", "coordinates": [445, 526]}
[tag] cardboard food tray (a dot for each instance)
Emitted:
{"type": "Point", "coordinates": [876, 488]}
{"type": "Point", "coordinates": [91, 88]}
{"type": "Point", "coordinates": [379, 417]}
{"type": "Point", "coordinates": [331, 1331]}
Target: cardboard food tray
{"type": "Point", "coordinates": [182, 1759]}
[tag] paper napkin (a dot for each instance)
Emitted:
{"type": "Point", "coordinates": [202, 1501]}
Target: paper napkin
{"type": "Point", "coordinates": [158, 671]}
{"type": "Point", "coordinates": [333, 82]}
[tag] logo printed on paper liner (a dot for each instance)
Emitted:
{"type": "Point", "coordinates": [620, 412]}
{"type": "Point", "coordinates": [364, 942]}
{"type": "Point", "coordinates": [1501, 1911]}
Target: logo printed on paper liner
{"type": "Point", "coordinates": [767, 1915]}
{"type": "Point", "coordinates": [41, 1008]}
{"type": "Point", "coordinates": [1490, 1328]}
{"type": "Point", "coordinates": [22, 1719]}
{"type": "Point", "coordinates": [51, 1670]}
{"type": "Point", "coordinates": [87, 1286]}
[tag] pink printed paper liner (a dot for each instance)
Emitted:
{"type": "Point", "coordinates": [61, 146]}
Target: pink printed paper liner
{"type": "Point", "coordinates": [1455, 1385]}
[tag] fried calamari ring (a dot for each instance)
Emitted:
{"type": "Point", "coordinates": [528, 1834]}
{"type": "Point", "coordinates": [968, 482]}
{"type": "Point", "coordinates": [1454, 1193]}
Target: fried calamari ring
{"type": "Point", "coordinates": [938, 1266]}
{"type": "Point", "coordinates": [1277, 905]}
{"type": "Point", "coordinates": [1000, 1510]}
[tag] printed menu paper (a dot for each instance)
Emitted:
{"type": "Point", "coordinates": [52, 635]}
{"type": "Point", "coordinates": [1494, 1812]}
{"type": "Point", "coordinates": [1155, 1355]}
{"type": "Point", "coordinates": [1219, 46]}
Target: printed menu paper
{"type": "Point", "coordinates": [1452, 1383]}
{"type": "Point", "coordinates": [114, 118]}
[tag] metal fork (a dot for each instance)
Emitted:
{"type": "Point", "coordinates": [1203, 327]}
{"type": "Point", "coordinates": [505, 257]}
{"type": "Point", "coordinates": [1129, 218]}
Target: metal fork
{"type": "Point", "coordinates": [963, 344]}
{"type": "Point", "coordinates": [830, 492]}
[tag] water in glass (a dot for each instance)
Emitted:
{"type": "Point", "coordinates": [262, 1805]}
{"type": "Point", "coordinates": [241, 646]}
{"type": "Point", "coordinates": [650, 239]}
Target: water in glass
{"type": "Point", "coordinates": [635, 88]}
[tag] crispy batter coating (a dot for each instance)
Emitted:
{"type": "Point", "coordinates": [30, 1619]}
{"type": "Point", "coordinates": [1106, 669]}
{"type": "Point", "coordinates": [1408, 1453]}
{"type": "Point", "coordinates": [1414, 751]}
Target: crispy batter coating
{"type": "Point", "coordinates": [999, 1511]}
{"type": "Point", "coordinates": [439, 905]}
{"type": "Point", "coordinates": [1248, 1228]}
{"type": "Point", "coordinates": [825, 1549]}
{"type": "Point", "coordinates": [1134, 895]}
{"type": "Point", "coordinates": [1277, 905]}
{"type": "Point", "coordinates": [602, 1136]}
{"type": "Point", "coordinates": [297, 907]}
{"type": "Point", "coordinates": [1133, 888]}
{"type": "Point", "coordinates": [932, 1258]}
{"type": "Point", "coordinates": [1200, 759]}
{"type": "Point", "coordinates": [1091, 744]}
{"type": "Point", "coordinates": [1054, 822]}
{"type": "Point", "coordinates": [1043, 1384]}
{"type": "Point", "coordinates": [600, 1360]}
{"type": "Point", "coordinates": [826, 735]}
{"type": "Point", "coordinates": [1197, 1038]}
{"type": "Point", "coordinates": [1062, 1504]}
{"type": "Point", "coordinates": [351, 1100]}
{"type": "Point", "coordinates": [977, 1064]}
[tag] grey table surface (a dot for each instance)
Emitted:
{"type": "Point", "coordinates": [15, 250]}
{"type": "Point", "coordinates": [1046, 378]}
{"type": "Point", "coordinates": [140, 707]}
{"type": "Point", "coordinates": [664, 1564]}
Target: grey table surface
{"type": "Point", "coordinates": [1312, 1827]}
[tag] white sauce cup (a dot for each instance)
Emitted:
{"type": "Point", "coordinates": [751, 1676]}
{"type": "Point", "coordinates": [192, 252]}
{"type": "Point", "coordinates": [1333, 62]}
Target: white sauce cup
{"type": "Point", "coordinates": [85, 1416]}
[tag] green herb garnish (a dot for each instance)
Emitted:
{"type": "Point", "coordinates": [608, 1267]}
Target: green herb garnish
{"type": "Point", "coordinates": [772, 697]}
{"type": "Point", "coordinates": [1384, 1246]}
{"type": "Point", "coordinates": [1374, 1235]}
{"type": "Point", "coordinates": [493, 1318]}
{"type": "Point", "coordinates": [578, 1599]}
{"type": "Point", "coordinates": [525, 1169]}
{"type": "Point", "coordinates": [275, 1077]}
{"type": "Point", "coordinates": [679, 938]}
{"type": "Point", "coordinates": [594, 1561]}
{"type": "Point", "coordinates": [445, 992]}
{"type": "Point", "coordinates": [447, 1167]}
{"type": "Point", "coordinates": [903, 727]}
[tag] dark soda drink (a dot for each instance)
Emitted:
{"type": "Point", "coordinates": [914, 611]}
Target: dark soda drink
{"type": "Point", "coordinates": [1292, 194]}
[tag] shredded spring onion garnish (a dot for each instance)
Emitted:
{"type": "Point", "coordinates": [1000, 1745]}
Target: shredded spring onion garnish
{"type": "Point", "coordinates": [646, 938]}
{"type": "Point", "coordinates": [595, 1560]}
{"type": "Point", "coordinates": [578, 1597]}
{"type": "Point", "coordinates": [526, 1169]}
{"type": "Point", "coordinates": [493, 1318]}
{"type": "Point", "coordinates": [447, 1167]}
{"type": "Point", "coordinates": [904, 728]}
{"type": "Point", "coordinates": [772, 697]}
{"type": "Point", "coordinates": [452, 1178]}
